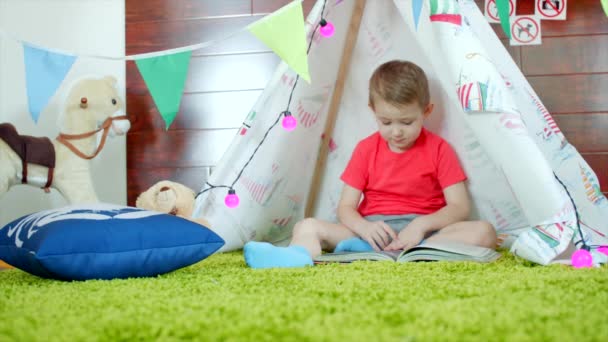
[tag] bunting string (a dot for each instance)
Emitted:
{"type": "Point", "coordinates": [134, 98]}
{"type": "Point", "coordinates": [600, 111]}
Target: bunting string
{"type": "Point", "coordinates": [274, 124]}
{"type": "Point", "coordinates": [165, 72]}
{"type": "Point", "coordinates": [181, 49]}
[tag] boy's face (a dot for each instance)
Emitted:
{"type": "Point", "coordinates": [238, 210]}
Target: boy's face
{"type": "Point", "coordinates": [400, 125]}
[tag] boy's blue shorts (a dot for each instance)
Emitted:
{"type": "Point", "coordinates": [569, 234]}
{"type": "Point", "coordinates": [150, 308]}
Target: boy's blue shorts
{"type": "Point", "coordinates": [397, 222]}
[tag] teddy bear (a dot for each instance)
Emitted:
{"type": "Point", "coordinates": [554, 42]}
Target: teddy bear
{"type": "Point", "coordinates": [92, 105]}
{"type": "Point", "coordinates": [171, 198]}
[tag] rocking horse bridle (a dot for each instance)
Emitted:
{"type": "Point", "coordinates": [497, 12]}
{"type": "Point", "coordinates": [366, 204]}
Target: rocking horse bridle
{"type": "Point", "coordinates": [105, 126]}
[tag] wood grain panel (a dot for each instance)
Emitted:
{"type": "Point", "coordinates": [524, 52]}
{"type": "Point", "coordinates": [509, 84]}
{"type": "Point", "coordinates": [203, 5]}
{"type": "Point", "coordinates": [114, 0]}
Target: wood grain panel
{"type": "Point", "coordinates": [142, 179]}
{"type": "Point", "coordinates": [572, 93]}
{"type": "Point", "coordinates": [584, 17]}
{"type": "Point", "coordinates": [514, 51]}
{"type": "Point", "coordinates": [269, 6]}
{"type": "Point", "coordinates": [523, 7]}
{"type": "Point", "coordinates": [159, 10]}
{"type": "Point", "coordinates": [152, 36]}
{"type": "Point", "coordinates": [242, 43]}
{"type": "Point", "coordinates": [580, 54]}
{"type": "Point", "coordinates": [234, 72]}
{"type": "Point", "coordinates": [197, 111]}
{"type": "Point", "coordinates": [159, 149]}
{"type": "Point", "coordinates": [599, 163]}
{"type": "Point", "coordinates": [587, 132]}
{"type": "Point", "coordinates": [218, 73]}
{"type": "Point", "coordinates": [162, 24]}
{"type": "Point", "coordinates": [569, 72]}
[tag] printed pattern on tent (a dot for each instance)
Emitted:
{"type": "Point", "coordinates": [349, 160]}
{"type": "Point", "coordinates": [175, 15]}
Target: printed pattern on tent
{"type": "Point", "coordinates": [507, 142]}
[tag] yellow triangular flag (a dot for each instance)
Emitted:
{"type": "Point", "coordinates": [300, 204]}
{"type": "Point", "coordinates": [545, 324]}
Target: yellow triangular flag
{"type": "Point", "coordinates": [283, 31]}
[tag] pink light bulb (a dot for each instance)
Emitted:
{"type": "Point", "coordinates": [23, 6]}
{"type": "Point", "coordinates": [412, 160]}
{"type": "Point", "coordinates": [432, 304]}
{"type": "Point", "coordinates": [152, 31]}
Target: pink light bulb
{"type": "Point", "coordinates": [232, 199]}
{"type": "Point", "coordinates": [326, 29]}
{"type": "Point", "coordinates": [582, 258]}
{"type": "Point", "coordinates": [603, 250]}
{"type": "Point", "coordinates": [289, 122]}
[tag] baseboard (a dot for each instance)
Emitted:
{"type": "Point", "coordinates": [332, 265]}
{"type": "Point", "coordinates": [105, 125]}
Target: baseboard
{"type": "Point", "coordinates": [4, 265]}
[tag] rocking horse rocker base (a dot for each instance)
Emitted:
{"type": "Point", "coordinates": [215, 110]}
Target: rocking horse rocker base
{"type": "Point", "coordinates": [64, 163]}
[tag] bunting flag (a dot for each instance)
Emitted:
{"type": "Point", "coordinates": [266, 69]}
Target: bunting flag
{"type": "Point", "coordinates": [165, 77]}
{"type": "Point", "coordinates": [284, 33]}
{"type": "Point", "coordinates": [503, 14]}
{"type": "Point", "coordinates": [44, 72]}
{"type": "Point", "coordinates": [417, 8]}
{"type": "Point", "coordinates": [605, 6]}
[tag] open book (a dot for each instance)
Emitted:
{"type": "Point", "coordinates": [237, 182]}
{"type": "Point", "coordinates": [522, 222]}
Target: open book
{"type": "Point", "coordinates": [427, 251]}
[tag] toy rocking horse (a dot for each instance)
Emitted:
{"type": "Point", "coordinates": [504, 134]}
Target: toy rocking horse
{"type": "Point", "coordinates": [92, 106]}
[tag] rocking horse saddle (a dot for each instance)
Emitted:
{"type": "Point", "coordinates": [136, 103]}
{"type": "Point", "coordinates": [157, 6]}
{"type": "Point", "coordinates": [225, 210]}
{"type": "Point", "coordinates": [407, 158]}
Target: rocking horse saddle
{"type": "Point", "coordinates": [32, 150]}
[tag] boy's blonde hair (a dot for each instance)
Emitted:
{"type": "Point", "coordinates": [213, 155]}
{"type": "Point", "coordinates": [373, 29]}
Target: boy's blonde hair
{"type": "Point", "coordinates": [399, 83]}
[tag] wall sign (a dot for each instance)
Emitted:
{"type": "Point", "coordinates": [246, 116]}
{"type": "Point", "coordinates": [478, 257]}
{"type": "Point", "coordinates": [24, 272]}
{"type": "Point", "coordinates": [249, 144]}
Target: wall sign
{"type": "Point", "coordinates": [491, 10]}
{"type": "Point", "coordinates": [525, 30]}
{"type": "Point", "coordinates": [551, 9]}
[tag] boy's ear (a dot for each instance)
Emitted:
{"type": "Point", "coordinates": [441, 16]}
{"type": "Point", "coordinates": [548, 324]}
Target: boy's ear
{"type": "Point", "coordinates": [428, 110]}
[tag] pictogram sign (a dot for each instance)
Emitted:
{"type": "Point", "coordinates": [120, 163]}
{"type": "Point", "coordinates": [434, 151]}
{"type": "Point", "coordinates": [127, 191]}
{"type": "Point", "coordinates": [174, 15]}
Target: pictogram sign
{"type": "Point", "coordinates": [491, 10]}
{"type": "Point", "coordinates": [525, 30]}
{"type": "Point", "coordinates": [551, 9]}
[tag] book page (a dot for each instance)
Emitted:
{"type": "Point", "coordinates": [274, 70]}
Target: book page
{"type": "Point", "coordinates": [452, 247]}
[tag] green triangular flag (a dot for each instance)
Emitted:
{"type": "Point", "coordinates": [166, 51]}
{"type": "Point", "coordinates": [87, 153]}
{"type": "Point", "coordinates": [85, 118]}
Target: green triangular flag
{"type": "Point", "coordinates": [503, 13]}
{"type": "Point", "coordinates": [165, 77]}
{"type": "Point", "coordinates": [605, 6]}
{"type": "Point", "coordinates": [284, 33]}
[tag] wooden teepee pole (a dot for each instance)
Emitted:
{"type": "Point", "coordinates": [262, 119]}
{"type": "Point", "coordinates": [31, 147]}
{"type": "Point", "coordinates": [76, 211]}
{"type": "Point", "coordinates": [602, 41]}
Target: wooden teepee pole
{"type": "Point", "coordinates": [347, 52]}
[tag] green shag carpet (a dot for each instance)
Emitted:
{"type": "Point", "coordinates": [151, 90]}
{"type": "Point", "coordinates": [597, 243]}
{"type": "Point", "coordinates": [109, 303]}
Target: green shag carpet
{"type": "Point", "coordinates": [220, 299]}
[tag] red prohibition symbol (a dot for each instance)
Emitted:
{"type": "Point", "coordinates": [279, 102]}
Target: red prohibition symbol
{"type": "Point", "coordinates": [549, 5]}
{"type": "Point", "coordinates": [495, 16]}
{"type": "Point", "coordinates": [524, 30]}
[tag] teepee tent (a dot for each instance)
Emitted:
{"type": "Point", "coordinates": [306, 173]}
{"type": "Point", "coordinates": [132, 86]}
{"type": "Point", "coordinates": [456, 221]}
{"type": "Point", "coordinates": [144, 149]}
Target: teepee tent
{"type": "Point", "coordinates": [524, 177]}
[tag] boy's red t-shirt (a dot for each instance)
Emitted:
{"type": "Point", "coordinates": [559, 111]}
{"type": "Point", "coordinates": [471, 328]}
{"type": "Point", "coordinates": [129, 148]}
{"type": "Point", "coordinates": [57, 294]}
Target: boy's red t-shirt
{"type": "Point", "coordinates": [411, 182]}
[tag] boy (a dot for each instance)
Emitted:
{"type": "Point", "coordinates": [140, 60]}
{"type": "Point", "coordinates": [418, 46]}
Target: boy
{"type": "Point", "coordinates": [411, 181]}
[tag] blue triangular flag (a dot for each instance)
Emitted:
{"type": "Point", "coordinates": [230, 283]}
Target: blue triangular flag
{"type": "Point", "coordinates": [417, 8]}
{"type": "Point", "coordinates": [44, 72]}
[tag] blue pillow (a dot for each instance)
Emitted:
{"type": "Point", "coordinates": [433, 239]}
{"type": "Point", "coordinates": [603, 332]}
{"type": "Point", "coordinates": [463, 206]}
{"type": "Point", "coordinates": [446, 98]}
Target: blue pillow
{"type": "Point", "coordinates": [104, 241]}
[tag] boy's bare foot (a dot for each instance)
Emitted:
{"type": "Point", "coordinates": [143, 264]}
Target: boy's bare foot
{"type": "Point", "coordinates": [500, 239]}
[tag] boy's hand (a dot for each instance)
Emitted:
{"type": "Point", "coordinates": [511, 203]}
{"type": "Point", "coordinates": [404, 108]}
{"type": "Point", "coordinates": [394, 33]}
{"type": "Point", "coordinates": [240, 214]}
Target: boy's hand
{"type": "Point", "coordinates": [409, 237]}
{"type": "Point", "coordinates": [378, 234]}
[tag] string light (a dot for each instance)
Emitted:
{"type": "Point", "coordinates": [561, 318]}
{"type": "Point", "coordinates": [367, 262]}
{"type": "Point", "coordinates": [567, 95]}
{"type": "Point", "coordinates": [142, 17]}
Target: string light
{"type": "Point", "coordinates": [581, 257]}
{"type": "Point", "coordinates": [326, 29]}
{"type": "Point", "coordinates": [232, 199]}
{"type": "Point", "coordinates": [289, 123]}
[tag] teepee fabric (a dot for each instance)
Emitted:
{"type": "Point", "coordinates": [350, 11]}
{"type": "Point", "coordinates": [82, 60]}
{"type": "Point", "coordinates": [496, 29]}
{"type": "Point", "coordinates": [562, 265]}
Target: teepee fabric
{"type": "Point", "coordinates": [513, 152]}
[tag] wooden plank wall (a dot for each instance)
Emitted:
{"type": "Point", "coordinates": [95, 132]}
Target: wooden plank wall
{"type": "Point", "coordinates": [223, 82]}
{"type": "Point", "coordinates": [569, 72]}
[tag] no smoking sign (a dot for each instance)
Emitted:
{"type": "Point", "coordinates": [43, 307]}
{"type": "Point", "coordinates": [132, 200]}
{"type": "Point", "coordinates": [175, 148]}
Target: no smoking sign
{"type": "Point", "coordinates": [525, 30]}
{"type": "Point", "coordinates": [551, 9]}
{"type": "Point", "coordinates": [491, 10]}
